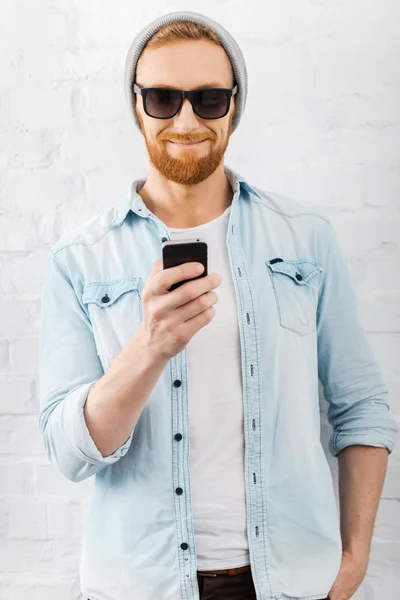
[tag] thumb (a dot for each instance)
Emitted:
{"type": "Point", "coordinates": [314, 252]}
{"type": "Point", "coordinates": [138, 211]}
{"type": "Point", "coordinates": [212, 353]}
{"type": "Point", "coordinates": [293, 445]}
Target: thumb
{"type": "Point", "coordinates": [157, 266]}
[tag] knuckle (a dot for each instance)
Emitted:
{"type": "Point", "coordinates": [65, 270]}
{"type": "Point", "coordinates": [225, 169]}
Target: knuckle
{"type": "Point", "coordinates": [204, 301]}
{"type": "Point", "coordinates": [187, 292]}
{"type": "Point", "coordinates": [181, 337]}
{"type": "Point", "coordinates": [156, 312]}
{"type": "Point", "coordinates": [162, 279]}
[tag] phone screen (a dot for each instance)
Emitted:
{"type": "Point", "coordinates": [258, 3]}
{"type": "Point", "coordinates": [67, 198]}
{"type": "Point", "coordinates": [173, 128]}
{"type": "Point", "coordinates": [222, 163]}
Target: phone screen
{"type": "Point", "coordinates": [176, 253]}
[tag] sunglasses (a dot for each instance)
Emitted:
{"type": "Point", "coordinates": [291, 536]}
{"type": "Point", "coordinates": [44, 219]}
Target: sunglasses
{"type": "Point", "coordinates": [165, 103]}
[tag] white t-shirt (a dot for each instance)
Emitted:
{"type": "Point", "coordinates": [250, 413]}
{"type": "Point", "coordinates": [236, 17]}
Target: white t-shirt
{"type": "Point", "coordinates": [216, 421]}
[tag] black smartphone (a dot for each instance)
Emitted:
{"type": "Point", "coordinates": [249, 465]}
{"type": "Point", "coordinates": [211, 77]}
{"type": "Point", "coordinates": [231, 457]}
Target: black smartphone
{"type": "Point", "coordinates": [177, 252]}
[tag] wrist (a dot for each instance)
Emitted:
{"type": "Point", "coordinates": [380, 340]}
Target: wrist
{"type": "Point", "coordinates": [358, 553]}
{"type": "Point", "coordinates": [149, 352]}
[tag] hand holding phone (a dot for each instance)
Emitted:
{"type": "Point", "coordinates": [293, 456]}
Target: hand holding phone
{"type": "Point", "coordinates": [172, 316]}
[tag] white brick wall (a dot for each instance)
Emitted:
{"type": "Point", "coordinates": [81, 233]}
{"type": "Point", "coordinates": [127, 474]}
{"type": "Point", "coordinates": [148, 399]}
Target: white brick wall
{"type": "Point", "coordinates": [324, 114]}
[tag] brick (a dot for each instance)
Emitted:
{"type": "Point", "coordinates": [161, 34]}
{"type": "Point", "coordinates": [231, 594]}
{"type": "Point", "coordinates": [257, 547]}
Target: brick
{"type": "Point", "coordinates": [4, 355]}
{"type": "Point", "coordinates": [15, 315]}
{"type": "Point", "coordinates": [23, 150]}
{"type": "Point", "coordinates": [17, 433]}
{"type": "Point", "coordinates": [387, 524]}
{"type": "Point", "coordinates": [17, 234]}
{"type": "Point", "coordinates": [104, 102]}
{"type": "Point", "coordinates": [38, 557]}
{"type": "Point", "coordinates": [39, 113]}
{"type": "Point", "coordinates": [96, 27]}
{"type": "Point", "coordinates": [48, 27]}
{"type": "Point", "coordinates": [5, 507]}
{"type": "Point", "coordinates": [386, 348]}
{"type": "Point", "coordinates": [5, 590]}
{"type": "Point", "coordinates": [46, 590]}
{"type": "Point", "coordinates": [64, 519]}
{"type": "Point", "coordinates": [383, 562]}
{"type": "Point", "coordinates": [49, 190]}
{"type": "Point", "coordinates": [51, 483]}
{"type": "Point", "coordinates": [18, 395]}
{"type": "Point", "coordinates": [367, 237]}
{"type": "Point", "coordinates": [380, 273]}
{"type": "Point", "coordinates": [27, 519]}
{"type": "Point", "coordinates": [391, 488]}
{"type": "Point", "coordinates": [24, 355]}
{"type": "Point", "coordinates": [16, 477]}
{"type": "Point", "coordinates": [23, 274]}
{"type": "Point", "coordinates": [380, 311]}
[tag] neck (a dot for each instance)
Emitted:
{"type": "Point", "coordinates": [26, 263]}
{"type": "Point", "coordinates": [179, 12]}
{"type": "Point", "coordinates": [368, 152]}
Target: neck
{"type": "Point", "coordinates": [180, 205]}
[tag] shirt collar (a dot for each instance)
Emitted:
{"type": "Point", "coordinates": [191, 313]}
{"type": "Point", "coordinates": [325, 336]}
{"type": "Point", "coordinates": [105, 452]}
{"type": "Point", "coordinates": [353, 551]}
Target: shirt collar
{"type": "Point", "coordinates": [133, 201]}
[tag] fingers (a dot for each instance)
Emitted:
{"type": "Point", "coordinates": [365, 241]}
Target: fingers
{"type": "Point", "coordinates": [165, 278]}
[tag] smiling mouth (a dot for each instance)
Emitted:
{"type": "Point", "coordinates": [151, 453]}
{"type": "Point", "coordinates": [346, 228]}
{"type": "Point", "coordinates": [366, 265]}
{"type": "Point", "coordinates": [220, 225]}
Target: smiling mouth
{"type": "Point", "coordinates": [188, 143]}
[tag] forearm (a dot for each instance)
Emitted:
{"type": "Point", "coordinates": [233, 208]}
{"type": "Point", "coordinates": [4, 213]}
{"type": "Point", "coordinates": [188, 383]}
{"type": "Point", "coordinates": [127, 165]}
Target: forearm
{"type": "Point", "coordinates": [115, 403]}
{"type": "Point", "coordinates": [362, 471]}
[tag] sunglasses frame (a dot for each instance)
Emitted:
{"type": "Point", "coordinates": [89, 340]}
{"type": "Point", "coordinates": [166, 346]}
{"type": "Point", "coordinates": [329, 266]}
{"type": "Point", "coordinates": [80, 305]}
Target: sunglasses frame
{"type": "Point", "coordinates": [184, 94]}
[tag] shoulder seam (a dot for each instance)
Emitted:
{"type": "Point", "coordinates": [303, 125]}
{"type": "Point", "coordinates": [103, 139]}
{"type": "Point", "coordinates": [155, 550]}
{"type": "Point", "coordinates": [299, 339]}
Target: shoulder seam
{"type": "Point", "coordinates": [314, 214]}
{"type": "Point", "coordinates": [110, 228]}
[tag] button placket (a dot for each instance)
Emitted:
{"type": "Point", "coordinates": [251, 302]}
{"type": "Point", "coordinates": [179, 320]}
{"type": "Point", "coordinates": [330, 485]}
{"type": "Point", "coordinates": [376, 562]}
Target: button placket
{"type": "Point", "coordinates": [180, 474]}
{"type": "Point", "coordinates": [255, 493]}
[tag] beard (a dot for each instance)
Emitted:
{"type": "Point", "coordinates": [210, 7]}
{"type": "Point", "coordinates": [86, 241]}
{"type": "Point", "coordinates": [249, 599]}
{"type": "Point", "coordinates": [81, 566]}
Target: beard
{"type": "Point", "coordinates": [189, 168]}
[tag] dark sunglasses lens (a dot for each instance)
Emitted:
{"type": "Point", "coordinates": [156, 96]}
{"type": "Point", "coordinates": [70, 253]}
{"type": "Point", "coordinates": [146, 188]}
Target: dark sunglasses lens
{"type": "Point", "coordinates": [162, 103]}
{"type": "Point", "coordinates": [211, 104]}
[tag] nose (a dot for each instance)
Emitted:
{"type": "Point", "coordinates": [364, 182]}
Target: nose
{"type": "Point", "coordinates": [186, 118]}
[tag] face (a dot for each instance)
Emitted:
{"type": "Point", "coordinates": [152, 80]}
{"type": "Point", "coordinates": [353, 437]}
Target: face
{"type": "Point", "coordinates": [186, 65]}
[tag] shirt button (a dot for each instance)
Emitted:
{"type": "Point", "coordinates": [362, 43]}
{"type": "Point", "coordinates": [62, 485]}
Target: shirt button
{"type": "Point", "coordinates": [178, 437]}
{"type": "Point", "coordinates": [179, 491]}
{"type": "Point", "coordinates": [299, 277]}
{"type": "Point", "coordinates": [184, 546]}
{"type": "Point", "coordinates": [105, 299]}
{"type": "Point", "coordinates": [177, 383]}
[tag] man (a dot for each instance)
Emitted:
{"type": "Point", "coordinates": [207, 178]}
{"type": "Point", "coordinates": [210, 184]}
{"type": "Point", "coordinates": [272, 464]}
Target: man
{"type": "Point", "coordinates": [197, 409]}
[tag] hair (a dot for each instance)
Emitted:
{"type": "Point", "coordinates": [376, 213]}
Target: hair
{"type": "Point", "coordinates": [178, 31]}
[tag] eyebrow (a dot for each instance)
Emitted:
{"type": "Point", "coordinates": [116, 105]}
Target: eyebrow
{"type": "Point", "coordinates": [172, 87]}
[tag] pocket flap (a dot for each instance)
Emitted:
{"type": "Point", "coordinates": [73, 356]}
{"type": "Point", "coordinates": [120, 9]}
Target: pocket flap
{"type": "Point", "coordinates": [301, 271]}
{"type": "Point", "coordinates": [105, 293]}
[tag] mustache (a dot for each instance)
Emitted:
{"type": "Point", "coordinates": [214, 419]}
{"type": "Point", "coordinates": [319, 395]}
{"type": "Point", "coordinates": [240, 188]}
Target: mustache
{"type": "Point", "coordinates": [195, 137]}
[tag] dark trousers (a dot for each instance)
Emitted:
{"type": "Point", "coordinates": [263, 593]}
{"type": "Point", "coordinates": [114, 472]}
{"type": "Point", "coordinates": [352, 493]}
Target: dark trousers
{"type": "Point", "coordinates": [227, 587]}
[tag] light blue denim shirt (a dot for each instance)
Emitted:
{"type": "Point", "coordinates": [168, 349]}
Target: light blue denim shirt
{"type": "Point", "coordinates": [298, 322]}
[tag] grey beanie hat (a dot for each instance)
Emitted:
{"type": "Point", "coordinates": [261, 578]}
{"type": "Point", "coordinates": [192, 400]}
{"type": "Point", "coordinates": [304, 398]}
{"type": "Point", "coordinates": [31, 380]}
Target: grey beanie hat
{"type": "Point", "coordinates": [229, 44]}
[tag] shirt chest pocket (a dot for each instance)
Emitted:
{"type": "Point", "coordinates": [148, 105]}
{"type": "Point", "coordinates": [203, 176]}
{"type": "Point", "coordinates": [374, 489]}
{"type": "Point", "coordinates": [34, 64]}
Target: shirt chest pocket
{"type": "Point", "coordinates": [296, 286]}
{"type": "Point", "coordinates": [115, 311]}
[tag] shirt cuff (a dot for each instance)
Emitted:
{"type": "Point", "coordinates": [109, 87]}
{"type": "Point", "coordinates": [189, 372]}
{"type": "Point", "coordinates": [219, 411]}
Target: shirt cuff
{"type": "Point", "coordinates": [76, 431]}
{"type": "Point", "coordinates": [341, 439]}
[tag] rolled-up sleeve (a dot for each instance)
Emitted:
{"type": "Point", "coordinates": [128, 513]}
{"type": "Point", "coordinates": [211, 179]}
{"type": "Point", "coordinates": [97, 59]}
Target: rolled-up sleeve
{"type": "Point", "coordinates": [68, 367]}
{"type": "Point", "coordinates": [351, 377]}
